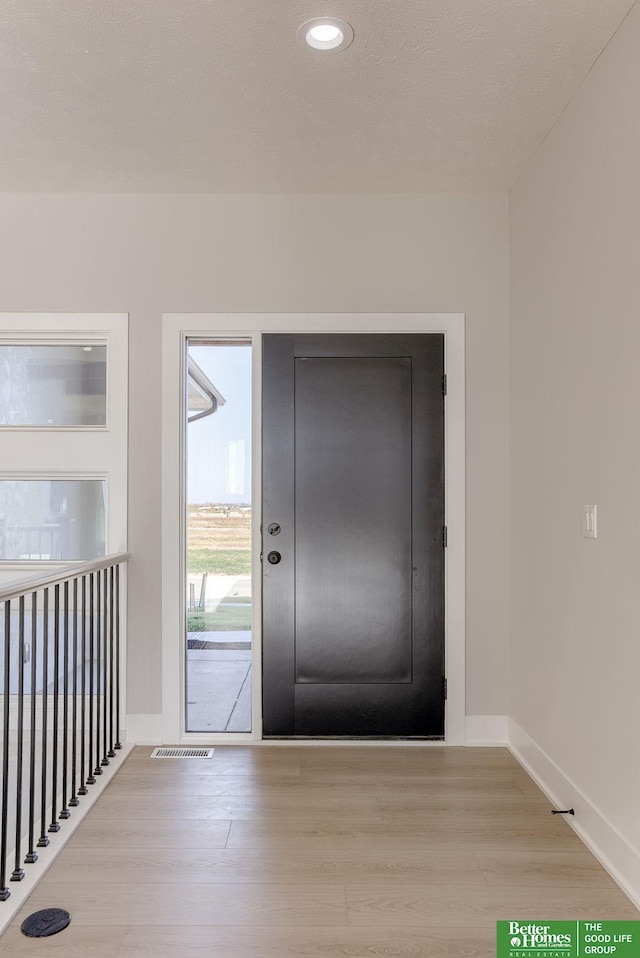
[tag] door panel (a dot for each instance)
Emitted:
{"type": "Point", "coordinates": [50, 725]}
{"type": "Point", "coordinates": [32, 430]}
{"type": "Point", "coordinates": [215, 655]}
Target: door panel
{"type": "Point", "coordinates": [353, 630]}
{"type": "Point", "coordinates": [350, 592]}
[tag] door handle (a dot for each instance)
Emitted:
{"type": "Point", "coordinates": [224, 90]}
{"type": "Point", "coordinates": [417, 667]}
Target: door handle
{"type": "Point", "coordinates": [274, 558]}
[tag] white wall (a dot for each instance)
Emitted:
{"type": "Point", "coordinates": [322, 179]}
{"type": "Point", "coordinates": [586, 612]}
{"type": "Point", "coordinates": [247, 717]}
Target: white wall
{"type": "Point", "coordinates": [152, 254]}
{"type": "Point", "coordinates": [575, 409]}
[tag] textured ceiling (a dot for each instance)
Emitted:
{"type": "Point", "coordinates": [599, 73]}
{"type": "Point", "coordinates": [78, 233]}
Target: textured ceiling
{"type": "Point", "coordinates": [217, 96]}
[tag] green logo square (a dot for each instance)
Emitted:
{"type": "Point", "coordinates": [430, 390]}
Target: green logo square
{"type": "Point", "coordinates": [568, 939]}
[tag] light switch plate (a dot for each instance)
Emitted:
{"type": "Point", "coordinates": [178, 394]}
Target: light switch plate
{"type": "Point", "coordinates": [590, 522]}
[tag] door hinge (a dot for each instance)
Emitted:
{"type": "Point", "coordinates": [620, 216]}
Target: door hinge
{"type": "Point", "coordinates": [444, 688]}
{"type": "Point", "coordinates": [444, 385]}
{"type": "Point", "coordinates": [444, 537]}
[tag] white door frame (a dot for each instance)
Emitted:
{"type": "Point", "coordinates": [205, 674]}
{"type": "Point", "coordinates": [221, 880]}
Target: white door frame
{"type": "Point", "coordinates": [177, 327]}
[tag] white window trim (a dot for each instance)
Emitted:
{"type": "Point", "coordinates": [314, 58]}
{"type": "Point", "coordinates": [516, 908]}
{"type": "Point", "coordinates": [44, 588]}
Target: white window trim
{"type": "Point", "coordinates": [177, 327]}
{"type": "Point", "coordinates": [58, 328]}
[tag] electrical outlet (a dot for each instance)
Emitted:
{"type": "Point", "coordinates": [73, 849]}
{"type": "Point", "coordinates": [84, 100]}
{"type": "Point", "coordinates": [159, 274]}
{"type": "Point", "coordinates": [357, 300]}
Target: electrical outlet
{"type": "Point", "coordinates": [590, 522]}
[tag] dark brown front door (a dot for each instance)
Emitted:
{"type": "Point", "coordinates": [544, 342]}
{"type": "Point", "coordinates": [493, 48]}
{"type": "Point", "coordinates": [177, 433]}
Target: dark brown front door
{"type": "Point", "coordinates": [353, 518]}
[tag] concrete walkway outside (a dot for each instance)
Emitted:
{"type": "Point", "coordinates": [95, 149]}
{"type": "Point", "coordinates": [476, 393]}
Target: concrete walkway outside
{"type": "Point", "coordinates": [219, 682]}
{"type": "Point", "coordinates": [219, 662]}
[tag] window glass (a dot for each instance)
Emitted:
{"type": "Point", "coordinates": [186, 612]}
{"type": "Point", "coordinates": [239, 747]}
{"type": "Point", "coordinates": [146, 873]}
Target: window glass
{"type": "Point", "coordinates": [50, 519]}
{"type": "Point", "coordinates": [60, 385]}
{"type": "Point", "coordinates": [218, 525]}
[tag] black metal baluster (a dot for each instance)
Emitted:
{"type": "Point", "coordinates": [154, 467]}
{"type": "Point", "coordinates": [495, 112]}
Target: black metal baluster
{"type": "Point", "coordinates": [43, 841]}
{"type": "Point", "coordinates": [97, 770]}
{"type": "Point", "coordinates": [73, 801]}
{"type": "Point", "coordinates": [64, 811]}
{"type": "Point", "coordinates": [83, 691]}
{"type": "Point", "coordinates": [90, 779]}
{"type": "Point", "coordinates": [55, 824]}
{"type": "Point", "coordinates": [32, 855]}
{"type": "Point", "coordinates": [111, 752]}
{"type": "Point", "coordinates": [105, 703]}
{"type": "Point", "coordinates": [117, 639]}
{"type": "Point", "coordinates": [18, 874]}
{"type": "Point", "coordinates": [4, 891]}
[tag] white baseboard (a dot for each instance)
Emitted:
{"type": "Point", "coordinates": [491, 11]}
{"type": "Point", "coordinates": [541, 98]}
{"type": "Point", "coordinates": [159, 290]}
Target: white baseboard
{"type": "Point", "coordinates": [614, 852]}
{"type": "Point", "coordinates": [144, 729]}
{"type": "Point", "coordinates": [486, 730]}
{"type": "Point", "coordinates": [480, 730]}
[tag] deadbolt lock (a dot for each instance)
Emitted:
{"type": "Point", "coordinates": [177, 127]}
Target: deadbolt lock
{"type": "Point", "coordinates": [273, 529]}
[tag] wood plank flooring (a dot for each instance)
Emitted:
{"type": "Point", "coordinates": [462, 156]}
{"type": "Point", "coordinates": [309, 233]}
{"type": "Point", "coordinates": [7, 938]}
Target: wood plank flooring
{"type": "Point", "coordinates": [313, 853]}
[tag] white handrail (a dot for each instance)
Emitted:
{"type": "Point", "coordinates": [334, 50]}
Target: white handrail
{"type": "Point", "coordinates": [68, 572]}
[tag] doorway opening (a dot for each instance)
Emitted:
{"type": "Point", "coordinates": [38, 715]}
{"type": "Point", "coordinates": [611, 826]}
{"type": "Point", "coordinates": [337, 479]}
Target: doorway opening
{"type": "Point", "coordinates": [218, 517]}
{"type": "Point", "coordinates": [182, 330]}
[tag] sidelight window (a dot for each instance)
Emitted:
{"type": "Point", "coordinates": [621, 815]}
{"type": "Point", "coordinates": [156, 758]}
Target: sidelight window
{"type": "Point", "coordinates": [218, 536]}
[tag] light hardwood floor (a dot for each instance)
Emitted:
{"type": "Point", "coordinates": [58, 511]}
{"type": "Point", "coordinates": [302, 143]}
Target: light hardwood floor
{"type": "Point", "coordinates": [313, 853]}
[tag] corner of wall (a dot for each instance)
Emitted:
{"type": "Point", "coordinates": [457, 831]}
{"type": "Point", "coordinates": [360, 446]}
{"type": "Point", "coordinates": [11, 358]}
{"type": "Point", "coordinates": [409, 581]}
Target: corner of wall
{"type": "Point", "coordinates": [144, 729]}
{"type": "Point", "coordinates": [614, 852]}
{"type": "Point", "coordinates": [486, 730]}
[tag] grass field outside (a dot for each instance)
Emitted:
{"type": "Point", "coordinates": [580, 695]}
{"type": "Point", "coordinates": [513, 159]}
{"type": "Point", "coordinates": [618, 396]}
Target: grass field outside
{"type": "Point", "coordinates": [219, 544]}
{"type": "Point", "coordinates": [227, 617]}
{"type": "Point", "coordinates": [219, 561]}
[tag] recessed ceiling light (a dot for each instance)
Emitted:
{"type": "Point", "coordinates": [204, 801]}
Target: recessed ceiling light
{"type": "Point", "coordinates": [326, 33]}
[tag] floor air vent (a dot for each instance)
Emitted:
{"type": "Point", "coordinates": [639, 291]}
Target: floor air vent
{"type": "Point", "coordinates": [182, 753]}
